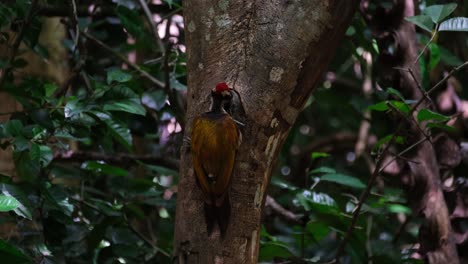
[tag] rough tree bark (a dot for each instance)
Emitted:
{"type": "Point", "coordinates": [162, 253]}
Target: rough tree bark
{"type": "Point", "coordinates": [419, 172]}
{"type": "Point", "coordinates": [273, 53]}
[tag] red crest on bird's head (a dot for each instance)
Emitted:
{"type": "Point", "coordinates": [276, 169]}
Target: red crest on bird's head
{"type": "Point", "coordinates": [221, 87]}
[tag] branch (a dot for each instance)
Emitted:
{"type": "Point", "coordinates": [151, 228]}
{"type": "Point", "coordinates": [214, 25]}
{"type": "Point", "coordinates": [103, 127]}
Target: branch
{"type": "Point", "coordinates": [452, 72]}
{"type": "Point", "coordinates": [74, 21]}
{"type": "Point", "coordinates": [116, 158]}
{"type": "Point", "coordinates": [282, 212]}
{"type": "Point", "coordinates": [144, 238]}
{"type": "Point", "coordinates": [154, 29]}
{"type": "Point", "coordinates": [17, 42]}
{"type": "Point", "coordinates": [96, 12]}
{"type": "Point", "coordinates": [125, 60]}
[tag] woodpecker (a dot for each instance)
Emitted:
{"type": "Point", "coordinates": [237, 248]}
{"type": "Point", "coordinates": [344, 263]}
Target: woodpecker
{"type": "Point", "coordinates": [215, 139]}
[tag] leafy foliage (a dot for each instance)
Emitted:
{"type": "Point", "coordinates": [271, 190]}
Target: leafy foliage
{"type": "Point", "coordinates": [65, 204]}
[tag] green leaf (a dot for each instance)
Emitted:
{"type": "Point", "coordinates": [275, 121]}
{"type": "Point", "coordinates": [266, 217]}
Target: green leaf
{"type": "Point", "coordinates": [122, 98]}
{"type": "Point", "coordinates": [163, 213]}
{"type": "Point", "coordinates": [318, 202]}
{"type": "Point", "coordinates": [175, 84]}
{"type": "Point", "coordinates": [41, 153]}
{"type": "Point", "coordinates": [20, 144]}
{"type": "Point", "coordinates": [155, 99]}
{"type": "Point", "coordinates": [118, 75]}
{"type": "Point", "coordinates": [14, 128]}
{"type": "Point", "coordinates": [104, 168]}
{"type": "Point", "coordinates": [402, 106]}
{"type": "Point", "coordinates": [426, 114]}
{"type": "Point", "coordinates": [24, 208]}
{"type": "Point", "coordinates": [454, 24]}
{"type": "Point", "coordinates": [398, 208]}
{"type": "Point", "coordinates": [169, 2]}
{"type": "Point", "coordinates": [343, 179]}
{"type": "Point", "coordinates": [132, 106]}
{"type": "Point", "coordinates": [119, 91]}
{"type": "Point", "coordinates": [50, 89]}
{"type": "Point", "coordinates": [11, 254]}
{"type": "Point", "coordinates": [447, 57]}
{"type": "Point", "coordinates": [283, 184]}
{"type": "Point", "coordinates": [322, 170]}
{"type": "Point", "coordinates": [442, 126]}
{"type": "Point", "coordinates": [35, 152]}
{"type": "Point", "coordinates": [132, 21]}
{"type": "Point", "coordinates": [316, 155]}
{"type": "Point", "coordinates": [118, 130]}
{"type": "Point", "coordinates": [106, 207]}
{"type": "Point", "coordinates": [386, 139]}
{"type": "Point", "coordinates": [424, 71]}
{"type": "Point", "coordinates": [319, 230]}
{"type": "Point", "coordinates": [434, 59]}
{"type": "Point", "coordinates": [58, 198]}
{"type": "Point", "coordinates": [422, 21]}
{"type": "Point", "coordinates": [8, 203]}
{"type": "Point", "coordinates": [26, 169]}
{"type": "Point", "coordinates": [273, 249]}
{"type": "Point", "coordinates": [438, 12]}
{"type": "Point", "coordinates": [161, 170]}
{"type": "Point", "coordinates": [396, 93]}
{"type": "Point", "coordinates": [46, 155]}
{"type": "Point", "coordinates": [382, 106]}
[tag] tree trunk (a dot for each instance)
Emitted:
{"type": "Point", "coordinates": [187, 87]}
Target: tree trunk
{"type": "Point", "coordinates": [273, 53]}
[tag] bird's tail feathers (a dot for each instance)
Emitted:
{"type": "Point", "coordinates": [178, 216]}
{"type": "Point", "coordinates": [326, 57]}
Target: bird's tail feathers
{"type": "Point", "coordinates": [218, 212]}
{"type": "Point", "coordinates": [223, 215]}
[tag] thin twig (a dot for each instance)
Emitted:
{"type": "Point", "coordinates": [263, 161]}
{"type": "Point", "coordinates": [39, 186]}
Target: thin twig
{"type": "Point", "coordinates": [364, 196]}
{"type": "Point", "coordinates": [452, 72]}
{"type": "Point", "coordinates": [17, 42]}
{"type": "Point", "coordinates": [427, 45]}
{"type": "Point", "coordinates": [399, 155]}
{"type": "Point", "coordinates": [282, 212]}
{"type": "Point", "coordinates": [144, 238]}
{"type": "Point", "coordinates": [154, 29]}
{"type": "Point", "coordinates": [171, 92]}
{"type": "Point", "coordinates": [421, 89]}
{"type": "Point", "coordinates": [99, 11]}
{"type": "Point", "coordinates": [115, 158]}
{"type": "Point", "coordinates": [125, 60]}
{"type": "Point", "coordinates": [74, 22]}
{"type": "Point", "coordinates": [408, 118]}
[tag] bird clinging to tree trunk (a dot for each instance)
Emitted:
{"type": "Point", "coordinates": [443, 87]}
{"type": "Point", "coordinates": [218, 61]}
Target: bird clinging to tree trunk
{"type": "Point", "coordinates": [215, 139]}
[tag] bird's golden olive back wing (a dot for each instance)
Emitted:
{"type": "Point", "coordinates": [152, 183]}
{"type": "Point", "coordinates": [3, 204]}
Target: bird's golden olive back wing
{"type": "Point", "coordinates": [214, 145]}
{"type": "Point", "coordinates": [199, 133]}
{"type": "Point", "coordinates": [229, 140]}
